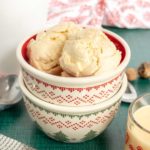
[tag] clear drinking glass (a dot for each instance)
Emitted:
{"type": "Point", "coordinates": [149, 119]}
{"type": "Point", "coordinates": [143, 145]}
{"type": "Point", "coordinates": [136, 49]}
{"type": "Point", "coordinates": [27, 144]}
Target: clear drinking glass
{"type": "Point", "coordinates": [138, 124]}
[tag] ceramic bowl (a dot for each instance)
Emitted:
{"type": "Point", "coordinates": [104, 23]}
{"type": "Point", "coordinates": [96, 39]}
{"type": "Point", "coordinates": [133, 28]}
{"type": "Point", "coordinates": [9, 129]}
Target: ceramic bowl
{"type": "Point", "coordinates": [72, 124]}
{"type": "Point", "coordinates": [71, 91]}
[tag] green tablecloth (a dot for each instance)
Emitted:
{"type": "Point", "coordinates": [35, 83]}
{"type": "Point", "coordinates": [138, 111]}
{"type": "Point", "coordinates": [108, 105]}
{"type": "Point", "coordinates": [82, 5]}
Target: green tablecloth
{"type": "Point", "coordinates": [16, 123]}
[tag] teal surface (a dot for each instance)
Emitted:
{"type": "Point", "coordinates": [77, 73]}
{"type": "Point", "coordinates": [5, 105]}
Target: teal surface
{"type": "Point", "coordinates": [16, 123]}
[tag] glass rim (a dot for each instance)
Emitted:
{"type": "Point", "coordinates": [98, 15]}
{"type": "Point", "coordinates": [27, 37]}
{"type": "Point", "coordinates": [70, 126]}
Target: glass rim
{"type": "Point", "coordinates": [131, 113]}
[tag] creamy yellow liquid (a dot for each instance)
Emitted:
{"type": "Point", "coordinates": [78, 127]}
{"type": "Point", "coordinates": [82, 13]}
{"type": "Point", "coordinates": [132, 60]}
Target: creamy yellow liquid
{"type": "Point", "coordinates": [138, 139]}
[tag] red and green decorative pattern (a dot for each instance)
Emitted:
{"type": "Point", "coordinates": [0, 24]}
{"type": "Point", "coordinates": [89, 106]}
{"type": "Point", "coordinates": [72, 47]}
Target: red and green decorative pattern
{"type": "Point", "coordinates": [71, 96]}
{"type": "Point", "coordinates": [69, 127]}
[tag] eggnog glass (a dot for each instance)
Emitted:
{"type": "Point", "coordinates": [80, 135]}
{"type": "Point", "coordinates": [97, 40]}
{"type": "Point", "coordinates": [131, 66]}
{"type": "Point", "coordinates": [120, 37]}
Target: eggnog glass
{"type": "Point", "coordinates": [138, 124]}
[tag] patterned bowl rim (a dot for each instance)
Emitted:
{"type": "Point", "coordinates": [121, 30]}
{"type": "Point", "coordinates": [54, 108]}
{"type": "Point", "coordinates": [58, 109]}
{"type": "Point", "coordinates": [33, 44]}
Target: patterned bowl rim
{"type": "Point", "coordinates": [71, 80]}
{"type": "Point", "coordinates": [74, 109]}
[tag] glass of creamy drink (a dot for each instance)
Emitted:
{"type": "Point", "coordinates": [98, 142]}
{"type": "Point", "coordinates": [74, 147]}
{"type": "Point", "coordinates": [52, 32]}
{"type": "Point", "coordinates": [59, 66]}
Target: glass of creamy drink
{"type": "Point", "coordinates": [138, 124]}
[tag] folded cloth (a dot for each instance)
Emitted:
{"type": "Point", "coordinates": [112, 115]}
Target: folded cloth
{"type": "Point", "coordinates": [127, 13]}
{"type": "Point", "coordinates": [120, 13]}
{"type": "Point", "coordinates": [7, 143]}
{"type": "Point", "coordinates": [85, 12]}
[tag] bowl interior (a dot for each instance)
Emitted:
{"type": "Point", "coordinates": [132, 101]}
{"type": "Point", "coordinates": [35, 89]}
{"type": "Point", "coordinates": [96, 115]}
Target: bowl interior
{"type": "Point", "coordinates": [116, 41]}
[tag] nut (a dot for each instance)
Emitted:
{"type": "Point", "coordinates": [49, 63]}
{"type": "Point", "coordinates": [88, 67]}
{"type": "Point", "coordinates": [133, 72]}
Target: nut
{"type": "Point", "coordinates": [131, 74]}
{"type": "Point", "coordinates": [144, 70]}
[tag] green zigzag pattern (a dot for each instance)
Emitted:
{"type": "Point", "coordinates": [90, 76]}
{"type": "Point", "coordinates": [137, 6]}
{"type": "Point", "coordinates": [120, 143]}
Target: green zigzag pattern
{"type": "Point", "coordinates": [71, 116]}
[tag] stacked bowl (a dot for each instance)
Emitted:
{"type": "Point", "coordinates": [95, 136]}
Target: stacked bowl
{"type": "Point", "coordinates": [73, 109]}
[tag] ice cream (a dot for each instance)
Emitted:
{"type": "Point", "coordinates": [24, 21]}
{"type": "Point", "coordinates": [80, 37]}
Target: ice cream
{"type": "Point", "coordinates": [71, 50]}
{"type": "Point", "coordinates": [89, 52]}
{"type": "Point", "coordinates": [78, 58]}
{"type": "Point", "coordinates": [44, 51]}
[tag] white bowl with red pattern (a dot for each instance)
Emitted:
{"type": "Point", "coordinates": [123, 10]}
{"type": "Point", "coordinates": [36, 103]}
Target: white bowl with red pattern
{"type": "Point", "coordinates": [72, 124]}
{"type": "Point", "coordinates": [74, 91]}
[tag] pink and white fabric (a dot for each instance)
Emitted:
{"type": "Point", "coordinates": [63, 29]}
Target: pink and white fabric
{"type": "Point", "coordinates": [120, 13]}
{"type": "Point", "coordinates": [79, 11]}
{"type": "Point", "coordinates": [127, 13]}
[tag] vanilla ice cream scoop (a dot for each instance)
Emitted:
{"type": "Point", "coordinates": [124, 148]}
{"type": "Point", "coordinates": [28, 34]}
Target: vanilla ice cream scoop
{"type": "Point", "coordinates": [110, 57]}
{"type": "Point", "coordinates": [85, 32]}
{"type": "Point", "coordinates": [95, 35]}
{"type": "Point", "coordinates": [44, 54]}
{"type": "Point", "coordinates": [79, 58]}
{"type": "Point", "coordinates": [44, 51]}
{"type": "Point", "coordinates": [88, 52]}
{"type": "Point", "coordinates": [109, 63]}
